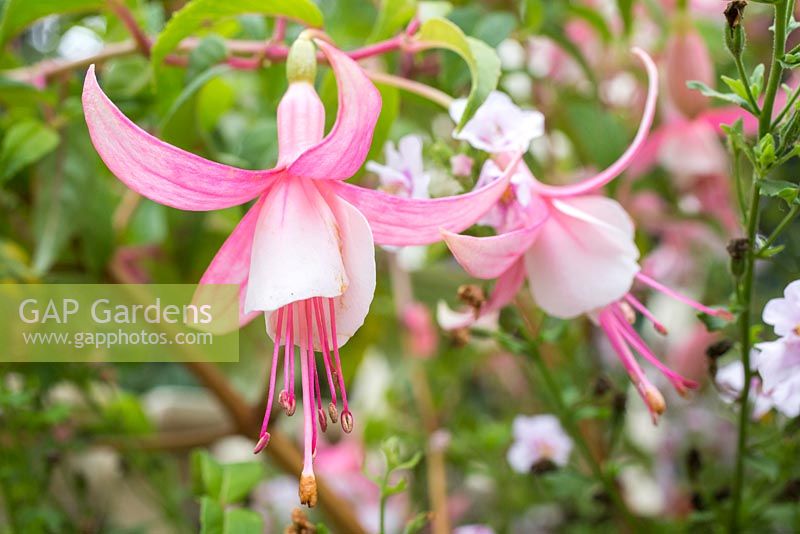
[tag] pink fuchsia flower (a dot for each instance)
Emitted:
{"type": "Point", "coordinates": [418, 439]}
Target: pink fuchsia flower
{"type": "Point", "coordinates": [417, 320]}
{"type": "Point", "coordinates": [461, 165]}
{"type": "Point", "coordinates": [578, 253]}
{"type": "Point", "coordinates": [783, 314]}
{"type": "Point", "coordinates": [538, 438]}
{"type": "Point", "coordinates": [687, 59]}
{"type": "Point", "coordinates": [730, 381]}
{"type": "Point", "coordinates": [499, 126]}
{"type": "Point", "coordinates": [473, 529]}
{"type": "Point", "coordinates": [403, 174]}
{"type": "Point", "coordinates": [303, 254]}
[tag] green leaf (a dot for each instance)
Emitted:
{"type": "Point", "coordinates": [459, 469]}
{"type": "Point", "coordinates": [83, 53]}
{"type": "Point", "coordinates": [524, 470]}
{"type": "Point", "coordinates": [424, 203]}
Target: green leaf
{"type": "Point", "coordinates": [393, 17]}
{"type": "Point", "coordinates": [242, 521]}
{"type": "Point", "coordinates": [190, 90]}
{"type": "Point", "coordinates": [17, 14]}
{"type": "Point", "coordinates": [709, 92]}
{"type": "Point", "coordinates": [626, 13]}
{"type": "Point", "coordinates": [736, 85]}
{"type": "Point", "coordinates": [238, 480]}
{"type": "Point", "coordinates": [781, 189]}
{"type": "Point", "coordinates": [194, 14]}
{"type": "Point", "coordinates": [765, 151]}
{"type": "Point", "coordinates": [390, 97]}
{"type": "Point", "coordinates": [411, 462]}
{"type": "Point", "coordinates": [532, 13]}
{"type": "Point", "coordinates": [210, 51]}
{"type": "Point", "coordinates": [433, 9]}
{"type": "Point", "coordinates": [495, 27]}
{"type": "Point", "coordinates": [24, 143]}
{"type": "Point", "coordinates": [757, 80]}
{"type": "Point", "coordinates": [206, 474]}
{"type": "Point", "coordinates": [210, 516]}
{"type": "Point", "coordinates": [483, 63]}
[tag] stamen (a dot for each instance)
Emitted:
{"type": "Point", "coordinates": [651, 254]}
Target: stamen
{"type": "Point", "coordinates": [347, 417]}
{"type": "Point", "coordinates": [292, 400]}
{"type": "Point", "coordinates": [310, 399]}
{"type": "Point", "coordinates": [264, 435]}
{"type": "Point", "coordinates": [647, 391]}
{"type": "Point", "coordinates": [322, 332]}
{"type": "Point", "coordinates": [723, 314]}
{"type": "Point", "coordinates": [680, 383]}
{"type": "Point", "coordinates": [307, 496]}
{"type": "Point", "coordinates": [638, 306]}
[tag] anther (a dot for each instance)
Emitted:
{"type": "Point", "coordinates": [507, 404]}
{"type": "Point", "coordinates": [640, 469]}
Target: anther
{"type": "Point", "coordinates": [333, 412]}
{"type": "Point", "coordinates": [262, 443]}
{"type": "Point", "coordinates": [291, 406]}
{"type": "Point", "coordinates": [472, 295]}
{"type": "Point", "coordinates": [347, 421]}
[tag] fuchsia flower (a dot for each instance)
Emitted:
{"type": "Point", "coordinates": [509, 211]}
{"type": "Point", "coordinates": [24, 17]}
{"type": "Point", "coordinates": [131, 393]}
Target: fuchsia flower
{"type": "Point", "coordinates": [403, 174]}
{"type": "Point", "coordinates": [303, 254]}
{"type": "Point", "coordinates": [538, 438]}
{"type": "Point", "coordinates": [577, 250]}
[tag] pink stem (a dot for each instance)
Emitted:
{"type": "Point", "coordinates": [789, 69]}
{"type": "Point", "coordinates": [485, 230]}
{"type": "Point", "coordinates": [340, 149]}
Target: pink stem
{"type": "Point", "coordinates": [279, 32]}
{"type": "Point", "coordinates": [273, 371]}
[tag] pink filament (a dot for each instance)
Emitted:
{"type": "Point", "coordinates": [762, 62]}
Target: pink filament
{"type": "Point", "coordinates": [638, 306]}
{"type": "Point", "coordinates": [319, 312]}
{"type": "Point", "coordinates": [335, 344]}
{"type": "Point", "coordinates": [631, 336]}
{"type": "Point", "coordinates": [724, 314]}
{"type": "Point", "coordinates": [308, 422]}
{"type": "Point", "coordinates": [312, 373]}
{"type": "Point", "coordinates": [272, 373]}
{"type": "Point", "coordinates": [288, 356]}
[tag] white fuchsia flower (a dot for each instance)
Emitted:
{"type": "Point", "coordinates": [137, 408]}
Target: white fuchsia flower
{"type": "Point", "coordinates": [538, 438]}
{"type": "Point", "coordinates": [499, 125]}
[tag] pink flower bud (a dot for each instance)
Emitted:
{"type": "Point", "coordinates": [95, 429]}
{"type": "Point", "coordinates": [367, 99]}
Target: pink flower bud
{"type": "Point", "coordinates": [422, 334]}
{"type": "Point", "coordinates": [687, 59]}
{"type": "Point", "coordinates": [461, 165]}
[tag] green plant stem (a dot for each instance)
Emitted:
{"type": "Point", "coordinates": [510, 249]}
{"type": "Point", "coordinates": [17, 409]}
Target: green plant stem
{"type": "Point", "coordinates": [789, 105]}
{"type": "Point", "coordinates": [565, 415]}
{"type": "Point", "coordinates": [744, 290]}
{"type": "Point", "coordinates": [776, 70]}
{"type": "Point", "coordinates": [788, 218]}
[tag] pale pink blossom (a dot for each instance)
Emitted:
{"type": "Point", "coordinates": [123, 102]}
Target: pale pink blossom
{"type": "Point", "coordinates": [778, 364]}
{"type": "Point", "coordinates": [577, 251]}
{"type": "Point", "coordinates": [783, 314]}
{"type": "Point", "coordinates": [461, 165]}
{"type": "Point", "coordinates": [538, 438]}
{"type": "Point", "coordinates": [417, 320]}
{"type": "Point", "coordinates": [687, 59]}
{"type": "Point", "coordinates": [473, 529]}
{"type": "Point", "coordinates": [403, 174]}
{"type": "Point", "coordinates": [730, 381]}
{"type": "Point", "coordinates": [303, 254]}
{"type": "Point", "coordinates": [499, 125]}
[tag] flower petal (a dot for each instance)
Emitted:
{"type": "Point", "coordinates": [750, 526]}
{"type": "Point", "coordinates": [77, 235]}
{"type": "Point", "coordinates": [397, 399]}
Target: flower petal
{"type": "Point", "coordinates": [231, 264]}
{"type": "Point", "coordinates": [584, 257]}
{"type": "Point", "coordinates": [158, 170]}
{"type": "Point", "coordinates": [345, 148]}
{"type": "Point", "coordinates": [489, 257]}
{"type": "Point", "coordinates": [403, 221]}
{"type": "Point", "coordinates": [296, 249]}
{"type": "Point", "coordinates": [358, 254]}
{"type": "Point", "coordinates": [616, 168]}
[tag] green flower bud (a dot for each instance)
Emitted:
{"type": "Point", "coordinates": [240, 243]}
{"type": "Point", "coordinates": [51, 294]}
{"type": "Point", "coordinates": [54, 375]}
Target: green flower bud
{"type": "Point", "coordinates": [301, 65]}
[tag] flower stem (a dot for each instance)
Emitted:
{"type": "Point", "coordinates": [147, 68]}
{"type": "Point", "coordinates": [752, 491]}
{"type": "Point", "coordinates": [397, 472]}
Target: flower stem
{"type": "Point", "coordinates": [565, 415]}
{"type": "Point", "coordinates": [743, 76]}
{"type": "Point", "coordinates": [788, 218]}
{"type": "Point", "coordinates": [744, 291]}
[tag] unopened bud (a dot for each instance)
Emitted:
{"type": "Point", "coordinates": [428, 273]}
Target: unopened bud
{"type": "Point", "coordinates": [333, 412]}
{"type": "Point", "coordinates": [308, 490]}
{"type": "Point", "coordinates": [687, 59]}
{"type": "Point", "coordinates": [734, 31]}
{"type": "Point", "coordinates": [347, 421]}
{"type": "Point", "coordinates": [738, 249]}
{"type": "Point", "coordinates": [323, 421]}
{"type": "Point", "coordinates": [262, 443]}
{"type": "Point", "coordinates": [472, 295]}
{"type": "Point", "coordinates": [301, 64]}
